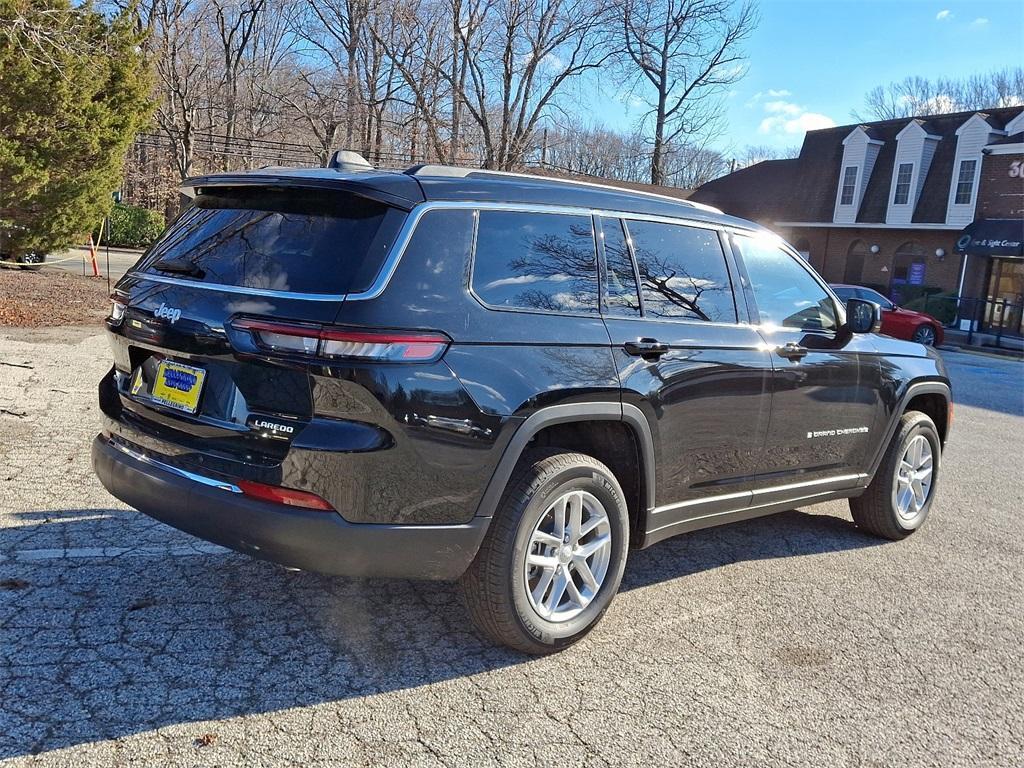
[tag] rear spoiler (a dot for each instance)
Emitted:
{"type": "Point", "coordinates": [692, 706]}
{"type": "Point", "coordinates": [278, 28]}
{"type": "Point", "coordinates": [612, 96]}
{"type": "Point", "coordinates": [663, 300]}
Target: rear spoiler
{"type": "Point", "coordinates": [393, 189]}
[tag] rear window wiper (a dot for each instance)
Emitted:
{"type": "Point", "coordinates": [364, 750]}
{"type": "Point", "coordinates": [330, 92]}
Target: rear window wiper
{"type": "Point", "coordinates": [180, 266]}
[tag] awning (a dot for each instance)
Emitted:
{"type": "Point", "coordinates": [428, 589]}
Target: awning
{"type": "Point", "coordinates": [992, 237]}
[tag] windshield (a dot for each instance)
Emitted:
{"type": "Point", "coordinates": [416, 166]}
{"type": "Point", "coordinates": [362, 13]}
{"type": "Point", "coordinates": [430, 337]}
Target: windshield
{"type": "Point", "coordinates": [876, 297]}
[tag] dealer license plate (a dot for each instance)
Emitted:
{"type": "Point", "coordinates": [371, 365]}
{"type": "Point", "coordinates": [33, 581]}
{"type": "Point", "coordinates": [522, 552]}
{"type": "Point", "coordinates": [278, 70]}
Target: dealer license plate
{"type": "Point", "coordinates": [178, 385]}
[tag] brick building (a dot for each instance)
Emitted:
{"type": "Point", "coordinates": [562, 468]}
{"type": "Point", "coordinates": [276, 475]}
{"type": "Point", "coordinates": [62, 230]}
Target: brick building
{"type": "Point", "coordinates": [909, 206]}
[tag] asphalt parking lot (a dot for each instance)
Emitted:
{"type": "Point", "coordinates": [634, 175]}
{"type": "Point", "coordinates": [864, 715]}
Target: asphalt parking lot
{"type": "Point", "coordinates": [791, 640]}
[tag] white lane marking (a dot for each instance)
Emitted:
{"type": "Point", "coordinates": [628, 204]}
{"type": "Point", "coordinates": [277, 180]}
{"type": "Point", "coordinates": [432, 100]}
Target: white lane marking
{"type": "Point", "coordinates": [72, 553]}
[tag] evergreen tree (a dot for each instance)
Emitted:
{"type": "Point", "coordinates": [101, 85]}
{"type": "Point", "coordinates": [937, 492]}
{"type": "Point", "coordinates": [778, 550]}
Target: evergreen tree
{"type": "Point", "coordinates": [74, 91]}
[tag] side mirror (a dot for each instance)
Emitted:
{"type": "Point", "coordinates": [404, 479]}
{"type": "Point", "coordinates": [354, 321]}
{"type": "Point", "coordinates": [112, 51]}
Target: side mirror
{"type": "Point", "coordinates": [863, 316]}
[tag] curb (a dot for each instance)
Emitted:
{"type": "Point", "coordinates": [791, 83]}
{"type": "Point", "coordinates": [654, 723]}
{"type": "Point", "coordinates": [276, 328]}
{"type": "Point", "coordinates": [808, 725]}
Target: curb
{"type": "Point", "coordinates": [1007, 354]}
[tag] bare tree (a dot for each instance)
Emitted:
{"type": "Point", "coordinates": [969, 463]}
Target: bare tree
{"type": "Point", "coordinates": [922, 96]}
{"type": "Point", "coordinates": [179, 42]}
{"type": "Point", "coordinates": [236, 24]}
{"type": "Point", "coordinates": [336, 29]}
{"type": "Point", "coordinates": [430, 46]}
{"type": "Point", "coordinates": [598, 151]}
{"type": "Point", "coordinates": [752, 154]}
{"type": "Point", "coordinates": [681, 54]}
{"type": "Point", "coordinates": [525, 52]}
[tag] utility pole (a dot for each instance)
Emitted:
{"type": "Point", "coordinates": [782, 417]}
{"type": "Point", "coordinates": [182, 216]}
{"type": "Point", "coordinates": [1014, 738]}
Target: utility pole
{"type": "Point", "coordinates": [544, 150]}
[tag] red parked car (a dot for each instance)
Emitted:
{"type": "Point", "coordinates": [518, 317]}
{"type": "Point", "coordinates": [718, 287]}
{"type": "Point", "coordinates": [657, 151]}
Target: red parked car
{"type": "Point", "coordinates": [896, 321]}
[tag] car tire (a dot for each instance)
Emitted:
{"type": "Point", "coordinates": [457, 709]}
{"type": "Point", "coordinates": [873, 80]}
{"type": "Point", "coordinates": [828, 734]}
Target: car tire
{"type": "Point", "coordinates": [512, 601]}
{"type": "Point", "coordinates": [925, 334]}
{"type": "Point", "coordinates": [31, 261]}
{"type": "Point", "coordinates": [897, 501]}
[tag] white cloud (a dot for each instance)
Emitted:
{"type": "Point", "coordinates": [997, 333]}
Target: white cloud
{"type": "Point", "coordinates": [944, 15]}
{"type": "Point", "coordinates": [943, 103]}
{"type": "Point", "coordinates": [785, 117]}
{"type": "Point", "coordinates": [527, 280]}
{"type": "Point", "coordinates": [981, 21]}
{"type": "Point", "coordinates": [771, 93]}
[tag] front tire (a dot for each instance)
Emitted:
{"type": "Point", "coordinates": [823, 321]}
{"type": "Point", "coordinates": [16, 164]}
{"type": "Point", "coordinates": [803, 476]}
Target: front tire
{"type": "Point", "coordinates": [925, 334]}
{"type": "Point", "coordinates": [899, 497]}
{"type": "Point", "coordinates": [554, 555]}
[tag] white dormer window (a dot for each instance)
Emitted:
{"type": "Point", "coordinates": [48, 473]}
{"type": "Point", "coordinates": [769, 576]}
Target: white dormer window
{"type": "Point", "coordinates": [849, 185]}
{"type": "Point", "coordinates": [915, 148]}
{"type": "Point", "coordinates": [971, 139]}
{"type": "Point", "coordinates": [860, 151]}
{"type": "Point", "coordinates": [965, 182]}
{"type": "Point", "coordinates": [905, 174]}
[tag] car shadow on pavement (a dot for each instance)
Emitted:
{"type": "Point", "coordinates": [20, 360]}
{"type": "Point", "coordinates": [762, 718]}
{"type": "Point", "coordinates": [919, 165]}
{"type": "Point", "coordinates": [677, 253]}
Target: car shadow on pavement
{"type": "Point", "coordinates": [101, 645]}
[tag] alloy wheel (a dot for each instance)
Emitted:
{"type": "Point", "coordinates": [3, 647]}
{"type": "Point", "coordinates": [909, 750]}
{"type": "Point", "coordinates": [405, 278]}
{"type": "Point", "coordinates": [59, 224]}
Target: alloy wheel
{"type": "Point", "coordinates": [568, 556]}
{"type": "Point", "coordinates": [913, 478]}
{"type": "Point", "coordinates": [925, 335]}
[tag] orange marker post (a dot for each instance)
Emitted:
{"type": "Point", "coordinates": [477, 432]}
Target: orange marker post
{"type": "Point", "coordinates": [92, 255]}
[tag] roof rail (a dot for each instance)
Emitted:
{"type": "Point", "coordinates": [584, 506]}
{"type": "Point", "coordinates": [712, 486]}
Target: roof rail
{"type": "Point", "coordinates": [348, 160]}
{"type": "Point", "coordinates": [458, 172]}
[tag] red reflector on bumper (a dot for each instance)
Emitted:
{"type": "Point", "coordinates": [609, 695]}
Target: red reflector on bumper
{"type": "Point", "coordinates": [286, 496]}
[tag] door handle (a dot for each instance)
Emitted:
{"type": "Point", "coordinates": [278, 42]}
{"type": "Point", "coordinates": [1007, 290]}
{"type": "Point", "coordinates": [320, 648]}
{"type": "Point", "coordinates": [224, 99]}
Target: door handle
{"type": "Point", "coordinates": [791, 351]}
{"type": "Point", "coordinates": [648, 349]}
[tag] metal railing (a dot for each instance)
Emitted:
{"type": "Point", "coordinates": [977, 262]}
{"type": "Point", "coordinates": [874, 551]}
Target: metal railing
{"type": "Point", "coordinates": [988, 322]}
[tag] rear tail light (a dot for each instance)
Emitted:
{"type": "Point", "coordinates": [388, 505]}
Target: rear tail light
{"type": "Point", "coordinates": [335, 343]}
{"type": "Point", "coordinates": [118, 306]}
{"type": "Point", "coordinates": [287, 496]}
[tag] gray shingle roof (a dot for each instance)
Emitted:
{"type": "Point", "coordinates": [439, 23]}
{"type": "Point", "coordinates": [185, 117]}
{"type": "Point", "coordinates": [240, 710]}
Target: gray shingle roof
{"type": "Point", "coordinates": [804, 189]}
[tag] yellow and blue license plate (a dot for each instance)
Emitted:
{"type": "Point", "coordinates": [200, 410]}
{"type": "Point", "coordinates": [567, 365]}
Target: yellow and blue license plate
{"type": "Point", "coordinates": [178, 385]}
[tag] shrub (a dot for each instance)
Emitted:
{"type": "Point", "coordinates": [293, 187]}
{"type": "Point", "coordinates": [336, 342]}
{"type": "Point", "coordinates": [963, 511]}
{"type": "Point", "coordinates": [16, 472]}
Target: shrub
{"type": "Point", "coordinates": [134, 227]}
{"type": "Point", "coordinates": [941, 306]}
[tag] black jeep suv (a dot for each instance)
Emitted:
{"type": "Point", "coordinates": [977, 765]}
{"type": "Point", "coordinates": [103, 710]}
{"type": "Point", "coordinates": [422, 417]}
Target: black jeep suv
{"type": "Point", "coordinates": [501, 379]}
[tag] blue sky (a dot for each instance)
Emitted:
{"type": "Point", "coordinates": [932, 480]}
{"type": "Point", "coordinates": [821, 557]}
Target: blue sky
{"type": "Point", "coordinates": [810, 62]}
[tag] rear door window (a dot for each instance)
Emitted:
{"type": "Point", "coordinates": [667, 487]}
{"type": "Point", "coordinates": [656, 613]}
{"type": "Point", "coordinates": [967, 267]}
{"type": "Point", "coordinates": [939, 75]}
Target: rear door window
{"type": "Point", "coordinates": [682, 272]}
{"type": "Point", "coordinates": [292, 240]}
{"type": "Point", "coordinates": [536, 261]}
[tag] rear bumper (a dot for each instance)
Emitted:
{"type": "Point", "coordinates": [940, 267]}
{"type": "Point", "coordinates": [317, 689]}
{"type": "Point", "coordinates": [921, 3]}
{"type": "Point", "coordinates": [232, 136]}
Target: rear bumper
{"type": "Point", "coordinates": [306, 539]}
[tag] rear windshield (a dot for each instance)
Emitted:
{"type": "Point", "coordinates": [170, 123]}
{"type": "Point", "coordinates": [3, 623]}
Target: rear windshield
{"type": "Point", "coordinates": [292, 240]}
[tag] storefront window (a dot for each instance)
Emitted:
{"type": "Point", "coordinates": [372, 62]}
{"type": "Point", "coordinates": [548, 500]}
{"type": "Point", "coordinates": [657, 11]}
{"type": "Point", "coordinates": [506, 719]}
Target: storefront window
{"type": "Point", "coordinates": [1006, 297]}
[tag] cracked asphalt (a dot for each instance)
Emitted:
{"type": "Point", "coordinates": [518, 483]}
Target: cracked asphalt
{"type": "Point", "coordinates": [792, 640]}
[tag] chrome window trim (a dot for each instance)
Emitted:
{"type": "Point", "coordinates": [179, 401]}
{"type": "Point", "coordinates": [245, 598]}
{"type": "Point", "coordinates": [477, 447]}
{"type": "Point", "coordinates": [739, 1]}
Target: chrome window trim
{"type": "Point", "coordinates": [406, 232]}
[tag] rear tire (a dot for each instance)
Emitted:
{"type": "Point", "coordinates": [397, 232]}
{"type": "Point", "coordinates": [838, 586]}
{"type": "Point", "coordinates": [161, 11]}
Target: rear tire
{"type": "Point", "coordinates": [512, 588]}
{"type": "Point", "coordinates": [899, 497]}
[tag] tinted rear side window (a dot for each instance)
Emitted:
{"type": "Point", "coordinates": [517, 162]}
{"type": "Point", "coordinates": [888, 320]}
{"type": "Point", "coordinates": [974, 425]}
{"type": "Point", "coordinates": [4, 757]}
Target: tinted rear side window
{"type": "Point", "coordinates": [296, 241]}
{"type": "Point", "coordinates": [537, 261]}
{"type": "Point", "coordinates": [682, 272]}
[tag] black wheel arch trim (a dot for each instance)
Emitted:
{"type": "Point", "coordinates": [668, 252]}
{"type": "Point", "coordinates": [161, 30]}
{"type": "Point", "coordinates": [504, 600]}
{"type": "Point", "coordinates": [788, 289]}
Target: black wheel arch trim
{"type": "Point", "coordinates": [912, 391]}
{"type": "Point", "coordinates": [564, 414]}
